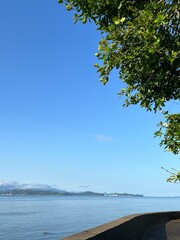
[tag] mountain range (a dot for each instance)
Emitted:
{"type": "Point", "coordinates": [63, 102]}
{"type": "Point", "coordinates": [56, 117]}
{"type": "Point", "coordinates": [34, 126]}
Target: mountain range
{"type": "Point", "coordinates": [15, 188]}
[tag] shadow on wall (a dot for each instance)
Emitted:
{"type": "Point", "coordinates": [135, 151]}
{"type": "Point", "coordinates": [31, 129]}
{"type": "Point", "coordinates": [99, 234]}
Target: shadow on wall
{"type": "Point", "coordinates": [156, 232]}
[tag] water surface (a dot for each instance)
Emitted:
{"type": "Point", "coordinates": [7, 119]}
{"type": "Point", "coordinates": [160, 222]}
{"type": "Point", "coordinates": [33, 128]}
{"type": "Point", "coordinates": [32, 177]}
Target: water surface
{"type": "Point", "coordinates": [55, 217]}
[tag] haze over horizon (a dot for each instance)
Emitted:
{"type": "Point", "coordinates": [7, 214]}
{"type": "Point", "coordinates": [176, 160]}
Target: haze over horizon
{"type": "Point", "coordinates": [13, 185]}
{"type": "Point", "coordinates": [59, 125]}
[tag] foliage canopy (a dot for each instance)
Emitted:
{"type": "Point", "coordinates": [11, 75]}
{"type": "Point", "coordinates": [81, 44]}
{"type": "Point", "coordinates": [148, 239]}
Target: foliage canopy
{"type": "Point", "coordinates": [141, 40]}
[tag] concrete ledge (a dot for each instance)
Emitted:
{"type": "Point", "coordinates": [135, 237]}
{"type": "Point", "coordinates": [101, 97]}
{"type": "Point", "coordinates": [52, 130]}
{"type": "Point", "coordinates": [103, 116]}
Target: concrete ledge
{"type": "Point", "coordinates": [132, 227]}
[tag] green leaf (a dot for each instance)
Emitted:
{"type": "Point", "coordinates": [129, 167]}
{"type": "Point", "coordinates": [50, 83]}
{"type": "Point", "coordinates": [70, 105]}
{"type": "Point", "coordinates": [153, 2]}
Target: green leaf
{"type": "Point", "coordinates": [158, 134]}
{"type": "Point", "coordinates": [96, 65]}
{"type": "Point", "coordinates": [122, 19]}
{"type": "Point", "coordinates": [84, 19]}
{"type": "Point", "coordinates": [100, 47]}
{"type": "Point", "coordinates": [75, 17]}
{"type": "Point", "coordinates": [68, 7]}
{"type": "Point", "coordinates": [116, 20]}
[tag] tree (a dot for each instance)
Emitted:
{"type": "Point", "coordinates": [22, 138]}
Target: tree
{"type": "Point", "coordinates": [141, 40]}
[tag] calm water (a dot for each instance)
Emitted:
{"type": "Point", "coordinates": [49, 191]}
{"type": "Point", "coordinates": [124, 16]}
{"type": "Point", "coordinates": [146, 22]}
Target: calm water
{"type": "Point", "coordinates": [52, 218]}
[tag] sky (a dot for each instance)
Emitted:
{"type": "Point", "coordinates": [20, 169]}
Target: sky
{"type": "Point", "coordinates": [58, 124]}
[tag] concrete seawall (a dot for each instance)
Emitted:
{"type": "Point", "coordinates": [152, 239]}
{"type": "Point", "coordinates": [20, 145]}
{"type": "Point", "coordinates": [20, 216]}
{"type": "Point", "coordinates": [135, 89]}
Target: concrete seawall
{"type": "Point", "coordinates": [132, 227]}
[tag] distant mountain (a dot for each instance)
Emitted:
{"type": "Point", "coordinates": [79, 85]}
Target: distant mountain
{"type": "Point", "coordinates": [47, 193]}
{"type": "Point", "coordinates": [14, 188]}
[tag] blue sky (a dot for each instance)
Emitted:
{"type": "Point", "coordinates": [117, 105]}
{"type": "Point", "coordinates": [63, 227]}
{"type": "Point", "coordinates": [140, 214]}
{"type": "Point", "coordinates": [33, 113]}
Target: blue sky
{"type": "Point", "coordinates": [59, 125]}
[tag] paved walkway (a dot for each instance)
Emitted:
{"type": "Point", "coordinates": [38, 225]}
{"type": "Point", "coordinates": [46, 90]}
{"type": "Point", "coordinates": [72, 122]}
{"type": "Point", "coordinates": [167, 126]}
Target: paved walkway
{"type": "Point", "coordinates": [168, 231]}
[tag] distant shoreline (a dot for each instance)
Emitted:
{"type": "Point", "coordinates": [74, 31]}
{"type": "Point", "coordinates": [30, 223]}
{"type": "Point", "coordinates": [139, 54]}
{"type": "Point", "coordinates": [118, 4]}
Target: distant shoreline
{"type": "Point", "coordinates": [39, 192]}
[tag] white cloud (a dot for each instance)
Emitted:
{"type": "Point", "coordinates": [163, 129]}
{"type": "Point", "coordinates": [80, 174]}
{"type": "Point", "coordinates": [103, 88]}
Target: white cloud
{"type": "Point", "coordinates": [104, 138]}
{"type": "Point", "coordinates": [84, 186]}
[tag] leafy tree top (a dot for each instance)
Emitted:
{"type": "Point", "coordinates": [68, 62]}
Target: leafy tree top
{"type": "Point", "coordinates": [141, 40]}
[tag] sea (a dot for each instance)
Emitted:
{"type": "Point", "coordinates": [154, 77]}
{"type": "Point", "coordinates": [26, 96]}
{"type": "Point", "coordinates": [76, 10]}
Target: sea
{"type": "Point", "coordinates": [56, 217]}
